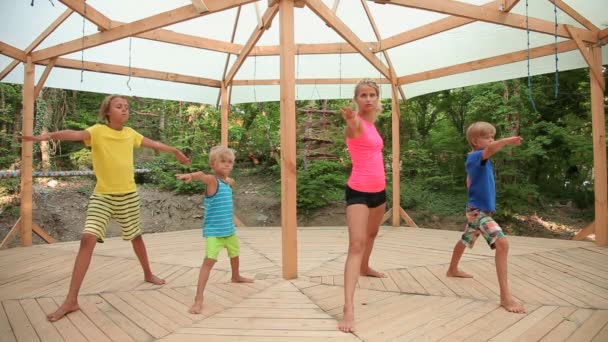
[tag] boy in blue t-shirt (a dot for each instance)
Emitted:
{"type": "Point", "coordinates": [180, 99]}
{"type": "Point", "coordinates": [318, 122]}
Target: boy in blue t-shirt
{"type": "Point", "coordinates": [481, 205]}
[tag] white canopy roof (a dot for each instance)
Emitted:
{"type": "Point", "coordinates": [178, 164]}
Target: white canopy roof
{"type": "Point", "coordinates": [398, 22]}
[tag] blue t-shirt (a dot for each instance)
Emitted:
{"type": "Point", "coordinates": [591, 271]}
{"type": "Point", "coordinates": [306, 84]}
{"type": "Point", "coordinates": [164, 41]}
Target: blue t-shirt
{"type": "Point", "coordinates": [482, 192]}
{"type": "Point", "coordinates": [219, 213]}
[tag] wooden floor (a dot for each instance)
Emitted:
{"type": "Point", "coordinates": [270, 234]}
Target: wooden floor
{"type": "Point", "coordinates": [564, 285]}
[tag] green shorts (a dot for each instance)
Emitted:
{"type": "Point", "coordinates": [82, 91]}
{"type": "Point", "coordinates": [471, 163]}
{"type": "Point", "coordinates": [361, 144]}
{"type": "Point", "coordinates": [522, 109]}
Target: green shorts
{"type": "Point", "coordinates": [215, 244]}
{"type": "Point", "coordinates": [480, 222]}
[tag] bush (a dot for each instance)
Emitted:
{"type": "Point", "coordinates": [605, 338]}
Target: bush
{"type": "Point", "coordinates": [320, 184]}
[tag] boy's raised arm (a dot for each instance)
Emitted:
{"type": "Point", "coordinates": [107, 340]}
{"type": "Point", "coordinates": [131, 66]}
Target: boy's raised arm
{"type": "Point", "coordinates": [497, 145]}
{"type": "Point", "coordinates": [199, 176]}
{"type": "Point", "coordinates": [66, 135]}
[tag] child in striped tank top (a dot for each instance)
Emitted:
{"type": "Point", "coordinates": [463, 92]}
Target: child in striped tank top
{"type": "Point", "coordinates": [218, 225]}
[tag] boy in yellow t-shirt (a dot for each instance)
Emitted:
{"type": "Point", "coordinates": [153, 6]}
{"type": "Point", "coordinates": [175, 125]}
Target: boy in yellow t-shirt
{"type": "Point", "coordinates": [115, 195]}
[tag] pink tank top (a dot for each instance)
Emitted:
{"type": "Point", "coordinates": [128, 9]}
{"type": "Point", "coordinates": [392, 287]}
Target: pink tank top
{"type": "Point", "coordinates": [365, 151]}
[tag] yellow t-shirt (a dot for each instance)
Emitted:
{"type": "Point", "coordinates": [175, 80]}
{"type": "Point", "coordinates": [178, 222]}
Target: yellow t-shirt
{"type": "Point", "coordinates": [112, 152]}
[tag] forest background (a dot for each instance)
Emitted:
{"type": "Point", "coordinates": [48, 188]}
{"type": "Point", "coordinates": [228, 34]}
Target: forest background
{"type": "Point", "coordinates": [544, 187]}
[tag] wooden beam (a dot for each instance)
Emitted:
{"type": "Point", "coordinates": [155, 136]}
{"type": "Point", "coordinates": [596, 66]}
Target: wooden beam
{"type": "Point", "coordinates": [391, 67]}
{"type": "Point", "coordinates": [89, 12]}
{"type": "Point", "coordinates": [395, 117]}
{"type": "Point", "coordinates": [258, 14]}
{"type": "Point", "coordinates": [236, 22]}
{"type": "Point", "coordinates": [407, 218]}
{"type": "Point", "coordinates": [583, 233]}
{"type": "Point", "coordinates": [312, 49]}
{"type": "Point", "coordinates": [345, 32]}
{"type": "Point", "coordinates": [11, 234]}
{"type": "Point", "coordinates": [168, 36]}
{"type": "Point", "coordinates": [512, 57]}
{"type": "Point", "coordinates": [388, 214]}
{"type": "Point", "coordinates": [27, 153]}
{"type": "Point", "coordinates": [575, 15]}
{"type": "Point", "coordinates": [200, 6]}
{"type": "Point", "coordinates": [289, 220]}
{"type": "Point", "coordinates": [334, 7]}
{"type": "Point", "coordinates": [50, 29]}
{"type": "Point", "coordinates": [44, 76]}
{"type": "Point", "coordinates": [137, 27]}
{"type": "Point", "coordinates": [488, 15]}
{"type": "Point", "coordinates": [134, 72]}
{"type": "Point", "coordinates": [598, 120]}
{"type": "Point", "coordinates": [595, 70]}
{"type": "Point", "coordinates": [309, 81]}
{"type": "Point", "coordinates": [253, 39]}
{"type": "Point", "coordinates": [11, 51]}
{"type": "Point", "coordinates": [224, 119]}
{"type": "Point", "coordinates": [508, 5]}
{"type": "Point", "coordinates": [42, 234]}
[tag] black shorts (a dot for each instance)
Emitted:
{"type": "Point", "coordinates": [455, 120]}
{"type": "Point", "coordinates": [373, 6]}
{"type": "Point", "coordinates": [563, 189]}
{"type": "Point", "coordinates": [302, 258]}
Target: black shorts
{"type": "Point", "coordinates": [370, 199]}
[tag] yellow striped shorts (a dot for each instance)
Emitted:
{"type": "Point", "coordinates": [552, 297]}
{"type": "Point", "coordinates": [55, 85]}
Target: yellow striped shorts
{"type": "Point", "coordinates": [124, 208]}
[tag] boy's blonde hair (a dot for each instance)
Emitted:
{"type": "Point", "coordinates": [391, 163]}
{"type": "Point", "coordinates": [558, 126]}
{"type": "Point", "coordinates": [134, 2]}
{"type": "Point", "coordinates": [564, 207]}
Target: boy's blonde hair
{"type": "Point", "coordinates": [479, 129]}
{"type": "Point", "coordinates": [105, 106]}
{"type": "Point", "coordinates": [220, 152]}
{"type": "Point", "coordinates": [370, 83]}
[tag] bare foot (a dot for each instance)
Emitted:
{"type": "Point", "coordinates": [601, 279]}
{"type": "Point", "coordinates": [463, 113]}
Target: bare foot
{"type": "Point", "coordinates": [458, 274]}
{"type": "Point", "coordinates": [372, 273]}
{"type": "Point", "coordinates": [512, 305]}
{"type": "Point", "coordinates": [347, 324]}
{"type": "Point", "coordinates": [197, 307]}
{"type": "Point", "coordinates": [63, 310]}
{"type": "Point", "coordinates": [154, 280]}
{"type": "Point", "coordinates": [241, 279]}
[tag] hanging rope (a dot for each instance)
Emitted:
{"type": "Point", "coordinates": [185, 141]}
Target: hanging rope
{"type": "Point", "coordinates": [129, 80]}
{"type": "Point", "coordinates": [556, 58]}
{"type": "Point", "coordinates": [82, 51]}
{"type": "Point", "coordinates": [529, 77]}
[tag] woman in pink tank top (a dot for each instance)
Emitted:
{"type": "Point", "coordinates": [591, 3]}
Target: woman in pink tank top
{"type": "Point", "coordinates": [365, 191]}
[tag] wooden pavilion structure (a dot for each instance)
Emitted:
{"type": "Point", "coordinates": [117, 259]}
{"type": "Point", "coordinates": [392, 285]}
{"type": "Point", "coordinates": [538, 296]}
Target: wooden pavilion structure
{"type": "Point", "coordinates": [585, 36]}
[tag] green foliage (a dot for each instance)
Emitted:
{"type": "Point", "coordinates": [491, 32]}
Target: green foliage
{"type": "Point", "coordinates": [82, 159]}
{"type": "Point", "coordinates": [321, 183]}
{"type": "Point", "coordinates": [9, 186]}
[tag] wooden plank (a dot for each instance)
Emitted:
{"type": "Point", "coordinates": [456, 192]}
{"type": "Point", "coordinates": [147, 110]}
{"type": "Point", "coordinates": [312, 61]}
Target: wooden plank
{"type": "Point", "coordinates": [45, 75]}
{"type": "Point", "coordinates": [27, 151]}
{"type": "Point", "coordinates": [513, 332]}
{"type": "Point", "coordinates": [134, 72]}
{"type": "Point", "coordinates": [37, 318]}
{"type": "Point", "coordinates": [489, 62]}
{"type": "Point", "coordinates": [289, 222]}
{"type": "Point", "coordinates": [200, 6]}
{"type": "Point", "coordinates": [594, 68]}
{"type": "Point", "coordinates": [20, 324]}
{"type": "Point", "coordinates": [159, 317]}
{"type": "Point", "coordinates": [135, 315]}
{"type": "Point", "coordinates": [50, 29]}
{"type": "Point", "coordinates": [88, 305]}
{"type": "Point", "coordinates": [575, 15]}
{"type": "Point", "coordinates": [255, 36]}
{"type": "Point", "coordinates": [567, 326]}
{"type": "Point", "coordinates": [5, 327]}
{"type": "Point", "coordinates": [89, 12]}
{"type": "Point", "coordinates": [583, 233]}
{"type": "Point", "coordinates": [224, 119]}
{"type": "Point", "coordinates": [126, 324]}
{"type": "Point", "coordinates": [395, 151]}
{"type": "Point", "coordinates": [493, 16]}
{"type": "Point", "coordinates": [42, 234]}
{"type": "Point", "coordinates": [12, 52]}
{"type": "Point", "coordinates": [590, 327]}
{"type": "Point", "coordinates": [65, 327]}
{"type": "Point", "coordinates": [600, 186]}
{"type": "Point", "coordinates": [324, 12]}
{"type": "Point", "coordinates": [139, 26]}
{"type": "Point", "coordinates": [11, 234]}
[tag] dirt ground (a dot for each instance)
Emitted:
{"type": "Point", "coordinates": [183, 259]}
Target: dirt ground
{"type": "Point", "coordinates": [60, 209]}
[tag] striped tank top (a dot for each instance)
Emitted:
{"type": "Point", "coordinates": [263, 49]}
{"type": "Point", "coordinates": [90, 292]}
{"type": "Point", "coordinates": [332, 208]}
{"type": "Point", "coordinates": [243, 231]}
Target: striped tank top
{"type": "Point", "coordinates": [219, 212]}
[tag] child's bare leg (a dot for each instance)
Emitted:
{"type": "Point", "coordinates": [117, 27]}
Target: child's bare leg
{"type": "Point", "coordinates": [506, 299]}
{"type": "Point", "coordinates": [140, 250]}
{"type": "Point", "coordinates": [356, 217]}
{"type": "Point", "coordinates": [236, 275]}
{"type": "Point", "coordinates": [453, 271]}
{"type": "Point", "coordinates": [373, 226]}
{"type": "Point", "coordinates": [203, 276]}
{"type": "Point", "coordinates": [81, 265]}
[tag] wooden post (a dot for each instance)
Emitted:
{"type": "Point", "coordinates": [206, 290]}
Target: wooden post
{"type": "Point", "coordinates": [395, 154]}
{"type": "Point", "coordinates": [225, 109]}
{"type": "Point", "coordinates": [288, 141]}
{"type": "Point", "coordinates": [26, 154]}
{"type": "Point", "coordinates": [599, 151]}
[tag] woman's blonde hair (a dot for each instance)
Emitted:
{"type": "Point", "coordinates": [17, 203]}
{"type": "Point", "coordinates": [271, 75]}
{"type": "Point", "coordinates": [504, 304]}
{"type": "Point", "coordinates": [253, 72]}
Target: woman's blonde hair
{"type": "Point", "coordinates": [479, 129]}
{"type": "Point", "coordinates": [105, 106]}
{"type": "Point", "coordinates": [370, 83]}
{"type": "Point", "coordinates": [220, 152]}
